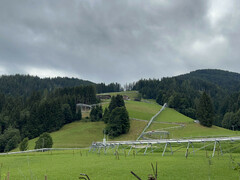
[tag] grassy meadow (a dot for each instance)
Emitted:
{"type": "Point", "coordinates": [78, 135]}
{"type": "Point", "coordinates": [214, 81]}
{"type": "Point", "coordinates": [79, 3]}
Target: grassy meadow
{"type": "Point", "coordinates": [65, 165]}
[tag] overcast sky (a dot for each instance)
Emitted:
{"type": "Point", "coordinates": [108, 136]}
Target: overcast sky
{"type": "Point", "coordinates": [118, 40]}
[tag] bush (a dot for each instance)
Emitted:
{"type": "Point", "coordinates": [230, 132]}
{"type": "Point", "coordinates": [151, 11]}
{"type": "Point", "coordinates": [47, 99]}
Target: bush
{"type": "Point", "coordinates": [9, 139]}
{"type": "Point", "coordinates": [12, 143]}
{"type": "Point", "coordinates": [44, 141]}
{"type": "Point", "coordinates": [24, 145]}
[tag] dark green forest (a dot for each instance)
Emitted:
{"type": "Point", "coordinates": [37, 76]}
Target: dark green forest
{"type": "Point", "coordinates": [183, 93]}
{"type": "Point", "coordinates": [24, 85]}
{"type": "Point", "coordinates": [42, 111]}
{"type": "Point", "coordinates": [30, 106]}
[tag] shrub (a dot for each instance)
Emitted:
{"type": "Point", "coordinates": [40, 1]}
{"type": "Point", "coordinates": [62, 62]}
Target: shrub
{"type": "Point", "coordinates": [44, 141]}
{"type": "Point", "coordinates": [24, 144]}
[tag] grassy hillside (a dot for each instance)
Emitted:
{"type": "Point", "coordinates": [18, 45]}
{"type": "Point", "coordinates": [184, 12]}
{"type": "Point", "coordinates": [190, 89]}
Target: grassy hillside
{"type": "Point", "coordinates": [76, 135]}
{"type": "Point", "coordinates": [139, 110]}
{"type": "Point", "coordinates": [186, 128]}
{"type": "Point", "coordinates": [142, 110]}
{"type": "Point", "coordinates": [82, 134]}
{"type": "Point", "coordinates": [170, 115]}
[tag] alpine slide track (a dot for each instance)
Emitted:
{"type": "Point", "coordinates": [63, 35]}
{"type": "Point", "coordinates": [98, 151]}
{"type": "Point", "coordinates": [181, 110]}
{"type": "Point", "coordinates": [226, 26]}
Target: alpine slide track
{"type": "Point", "coordinates": [159, 144]}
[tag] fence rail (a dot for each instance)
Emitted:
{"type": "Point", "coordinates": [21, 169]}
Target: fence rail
{"type": "Point", "coordinates": [41, 150]}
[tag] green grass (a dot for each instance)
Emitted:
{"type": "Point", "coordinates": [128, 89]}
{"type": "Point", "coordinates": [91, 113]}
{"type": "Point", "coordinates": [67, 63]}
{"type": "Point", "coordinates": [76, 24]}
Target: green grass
{"type": "Point", "coordinates": [82, 134]}
{"type": "Point", "coordinates": [142, 110]}
{"type": "Point", "coordinates": [190, 128]}
{"type": "Point", "coordinates": [76, 134]}
{"type": "Point", "coordinates": [160, 126]}
{"type": "Point", "coordinates": [196, 130]}
{"type": "Point", "coordinates": [171, 115]}
{"type": "Point", "coordinates": [139, 110]}
{"type": "Point", "coordinates": [136, 127]}
{"type": "Point", "coordinates": [136, 109]}
{"type": "Point", "coordinates": [69, 164]}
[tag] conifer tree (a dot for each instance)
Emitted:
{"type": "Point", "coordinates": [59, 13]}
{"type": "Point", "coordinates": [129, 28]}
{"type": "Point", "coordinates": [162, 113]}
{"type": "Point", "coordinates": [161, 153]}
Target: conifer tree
{"type": "Point", "coordinates": [205, 112]}
{"type": "Point", "coordinates": [106, 115]}
{"type": "Point", "coordinates": [116, 117]}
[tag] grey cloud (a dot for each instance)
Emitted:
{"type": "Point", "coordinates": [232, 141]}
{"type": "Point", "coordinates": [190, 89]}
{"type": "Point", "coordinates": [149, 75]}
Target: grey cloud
{"type": "Point", "coordinates": [108, 40]}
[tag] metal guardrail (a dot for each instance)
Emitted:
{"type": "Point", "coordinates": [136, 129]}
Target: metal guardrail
{"type": "Point", "coordinates": [150, 122]}
{"type": "Point", "coordinates": [41, 150]}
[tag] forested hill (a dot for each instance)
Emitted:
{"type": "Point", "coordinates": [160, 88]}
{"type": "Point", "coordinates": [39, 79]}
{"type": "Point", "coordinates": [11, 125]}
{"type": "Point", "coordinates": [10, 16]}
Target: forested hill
{"type": "Point", "coordinates": [183, 93]}
{"type": "Point", "coordinates": [40, 112]}
{"type": "Point", "coordinates": [26, 84]}
{"type": "Point", "coordinates": [229, 81]}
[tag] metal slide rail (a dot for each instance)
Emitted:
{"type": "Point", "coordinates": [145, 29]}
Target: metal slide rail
{"type": "Point", "coordinates": [150, 122]}
{"type": "Point", "coordinates": [163, 141]}
{"type": "Point", "coordinates": [41, 150]}
{"type": "Point", "coordinates": [166, 142]}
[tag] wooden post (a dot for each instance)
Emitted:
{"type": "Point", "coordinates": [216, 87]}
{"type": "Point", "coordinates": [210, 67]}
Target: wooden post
{"type": "Point", "coordinates": [8, 175]}
{"type": "Point", "coordinates": [45, 177]}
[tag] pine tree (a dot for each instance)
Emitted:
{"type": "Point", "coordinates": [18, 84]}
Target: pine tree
{"type": "Point", "coordinates": [96, 113]}
{"type": "Point", "coordinates": [205, 112]}
{"type": "Point", "coordinates": [67, 113]}
{"type": "Point", "coordinates": [118, 122]}
{"type": "Point", "coordinates": [112, 104]}
{"type": "Point", "coordinates": [116, 102]}
{"type": "Point", "coordinates": [106, 115]}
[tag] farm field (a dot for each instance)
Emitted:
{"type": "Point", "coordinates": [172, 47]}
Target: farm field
{"type": "Point", "coordinates": [67, 165]}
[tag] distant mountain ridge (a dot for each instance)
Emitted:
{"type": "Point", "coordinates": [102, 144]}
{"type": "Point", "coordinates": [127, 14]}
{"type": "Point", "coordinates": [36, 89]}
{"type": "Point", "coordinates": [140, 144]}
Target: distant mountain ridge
{"type": "Point", "coordinates": [25, 84]}
{"type": "Point", "coordinates": [225, 79]}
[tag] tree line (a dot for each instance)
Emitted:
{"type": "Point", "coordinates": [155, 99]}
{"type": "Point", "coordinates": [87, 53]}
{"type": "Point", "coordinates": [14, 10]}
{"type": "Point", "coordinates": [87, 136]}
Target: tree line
{"type": "Point", "coordinates": [24, 85]}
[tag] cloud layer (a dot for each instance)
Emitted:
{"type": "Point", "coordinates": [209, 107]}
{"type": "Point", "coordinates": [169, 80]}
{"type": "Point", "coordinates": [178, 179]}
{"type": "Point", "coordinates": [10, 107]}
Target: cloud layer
{"type": "Point", "coordinates": [123, 41]}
